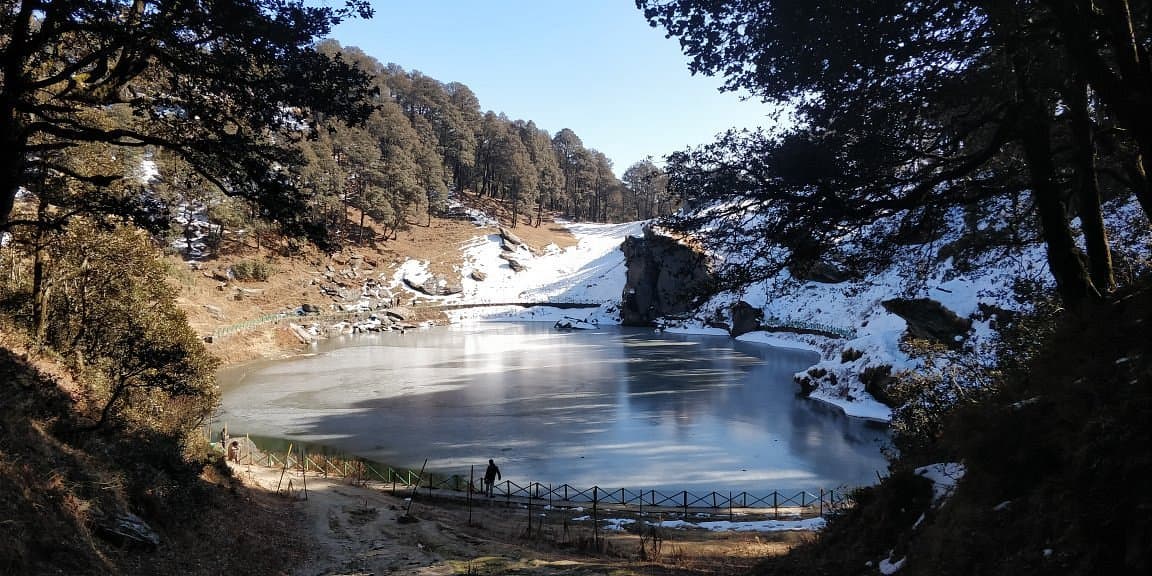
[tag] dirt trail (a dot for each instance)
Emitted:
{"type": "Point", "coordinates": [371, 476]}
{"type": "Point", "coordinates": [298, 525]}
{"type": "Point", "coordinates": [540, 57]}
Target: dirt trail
{"type": "Point", "coordinates": [357, 530]}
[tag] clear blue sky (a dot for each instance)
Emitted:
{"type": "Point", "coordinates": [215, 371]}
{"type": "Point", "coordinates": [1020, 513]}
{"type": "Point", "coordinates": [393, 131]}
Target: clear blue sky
{"type": "Point", "coordinates": [594, 66]}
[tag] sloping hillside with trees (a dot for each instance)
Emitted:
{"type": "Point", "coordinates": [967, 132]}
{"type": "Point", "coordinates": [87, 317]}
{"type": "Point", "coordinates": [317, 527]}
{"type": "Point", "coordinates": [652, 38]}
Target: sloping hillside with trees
{"type": "Point", "coordinates": [232, 129]}
{"type": "Point", "coordinates": [929, 132]}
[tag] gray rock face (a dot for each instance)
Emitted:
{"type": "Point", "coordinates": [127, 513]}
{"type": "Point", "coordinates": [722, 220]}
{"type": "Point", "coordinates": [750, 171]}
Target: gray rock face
{"type": "Point", "coordinates": [930, 320]}
{"type": "Point", "coordinates": [819, 272]}
{"type": "Point", "coordinates": [128, 530]}
{"type": "Point", "coordinates": [745, 318]}
{"type": "Point", "coordinates": [436, 286]}
{"type": "Point", "coordinates": [664, 278]}
{"type": "Point", "coordinates": [510, 238]}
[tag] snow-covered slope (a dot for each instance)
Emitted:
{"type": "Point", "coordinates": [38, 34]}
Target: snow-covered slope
{"type": "Point", "coordinates": [594, 272]}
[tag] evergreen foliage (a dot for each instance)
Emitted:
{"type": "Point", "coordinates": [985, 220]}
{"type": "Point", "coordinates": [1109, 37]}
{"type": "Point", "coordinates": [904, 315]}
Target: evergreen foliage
{"type": "Point", "coordinates": [223, 84]}
{"type": "Point", "coordinates": [906, 112]}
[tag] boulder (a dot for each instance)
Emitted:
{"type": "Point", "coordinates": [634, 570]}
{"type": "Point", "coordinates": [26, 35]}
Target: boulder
{"type": "Point", "coordinates": [309, 308]}
{"type": "Point", "coordinates": [128, 530]}
{"type": "Point", "coordinates": [510, 238]}
{"type": "Point", "coordinates": [664, 277]}
{"type": "Point", "coordinates": [398, 313]}
{"type": "Point", "coordinates": [436, 286]}
{"type": "Point", "coordinates": [929, 320]}
{"type": "Point", "coordinates": [514, 264]}
{"type": "Point", "coordinates": [822, 272]}
{"type": "Point", "coordinates": [479, 275]}
{"type": "Point", "coordinates": [745, 318]}
{"type": "Point", "coordinates": [215, 312]}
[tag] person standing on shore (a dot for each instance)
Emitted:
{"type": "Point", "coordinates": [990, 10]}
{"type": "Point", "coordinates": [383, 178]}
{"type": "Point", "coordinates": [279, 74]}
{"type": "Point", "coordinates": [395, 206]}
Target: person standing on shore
{"type": "Point", "coordinates": [490, 476]}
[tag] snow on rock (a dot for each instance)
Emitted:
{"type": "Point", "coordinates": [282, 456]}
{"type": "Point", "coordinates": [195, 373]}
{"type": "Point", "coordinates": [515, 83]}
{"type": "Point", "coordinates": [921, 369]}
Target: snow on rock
{"type": "Point", "coordinates": [887, 566]}
{"type": "Point", "coordinates": [592, 272]}
{"type": "Point", "coordinates": [944, 477]}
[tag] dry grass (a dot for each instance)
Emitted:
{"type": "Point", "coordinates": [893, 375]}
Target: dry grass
{"type": "Point", "coordinates": [210, 303]}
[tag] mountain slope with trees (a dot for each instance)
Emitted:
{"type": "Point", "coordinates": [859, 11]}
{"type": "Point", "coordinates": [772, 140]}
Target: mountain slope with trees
{"type": "Point", "coordinates": [930, 132]}
{"type": "Point", "coordinates": [121, 123]}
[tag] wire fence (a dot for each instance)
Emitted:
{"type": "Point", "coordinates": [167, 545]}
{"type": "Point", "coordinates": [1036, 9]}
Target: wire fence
{"type": "Point", "coordinates": [408, 482]}
{"type": "Point", "coordinates": [774, 324]}
{"type": "Point", "coordinates": [287, 317]}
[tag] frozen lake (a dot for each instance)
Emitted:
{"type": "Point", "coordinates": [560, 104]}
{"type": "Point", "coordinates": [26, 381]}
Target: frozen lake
{"type": "Point", "coordinates": [613, 407]}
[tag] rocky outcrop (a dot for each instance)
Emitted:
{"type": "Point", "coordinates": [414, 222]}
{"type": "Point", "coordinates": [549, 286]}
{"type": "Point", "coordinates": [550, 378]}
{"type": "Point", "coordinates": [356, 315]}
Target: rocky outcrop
{"type": "Point", "coordinates": [435, 285]}
{"type": "Point", "coordinates": [513, 263]}
{"type": "Point", "coordinates": [818, 271]}
{"type": "Point", "coordinates": [929, 320]}
{"type": "Point", "coordinates": [745, 318]}
{"type": "Point", "coordinates": [128, 530]}
{"type": "Point", "coordinates": [664, 278]}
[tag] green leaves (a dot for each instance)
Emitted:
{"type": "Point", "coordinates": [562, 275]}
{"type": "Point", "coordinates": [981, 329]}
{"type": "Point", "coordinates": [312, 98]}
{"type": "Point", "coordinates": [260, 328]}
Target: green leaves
{"type": "Point", "coordinates": [145, 365]}
{"type": "Point", "coordinates": [225, 84]}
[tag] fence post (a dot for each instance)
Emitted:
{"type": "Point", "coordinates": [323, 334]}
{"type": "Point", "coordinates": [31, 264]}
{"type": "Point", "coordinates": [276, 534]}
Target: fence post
{"type": "Point", "coordinates": [595, 520]}
{"type": "Point", "coordinates": [685, 504]}
{"type": "Point", "coordinates": [775, 505]}
{"type": "Point", "coordinates": [729, 505]}
{"type": "Point", "coordinates": [821, 501]}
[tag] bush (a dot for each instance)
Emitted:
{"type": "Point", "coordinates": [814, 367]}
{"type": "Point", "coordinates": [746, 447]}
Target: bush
{"type": "Point", "coordinates": [246, 270]}
{"type": "Point", "coordinates": [850, 355]}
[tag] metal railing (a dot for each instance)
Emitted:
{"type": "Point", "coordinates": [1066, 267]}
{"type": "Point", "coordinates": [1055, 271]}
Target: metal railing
{"type": "Point", "coordinates": [403, 481]}
{"type": "Point", "coordinates": [774, 324]}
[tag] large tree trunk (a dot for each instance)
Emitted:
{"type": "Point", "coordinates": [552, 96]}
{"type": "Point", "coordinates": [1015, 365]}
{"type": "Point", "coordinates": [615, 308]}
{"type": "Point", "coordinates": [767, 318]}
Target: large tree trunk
{"type": "Point", "coordinates": [1064, 259]}
{"type": "Point", "coordinates": [1125, 87]}
{"type": "Point", "coordinates": [1087, 189]}
{"type": "Point", "coordinates": [1034, 126]}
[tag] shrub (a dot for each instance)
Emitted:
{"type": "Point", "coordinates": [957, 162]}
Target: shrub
{"type": "Point", "coordinates": [246, 270]}
{"type": "Point", "coordinates": [850, 355]}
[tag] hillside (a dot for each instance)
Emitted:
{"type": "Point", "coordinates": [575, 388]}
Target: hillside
{"type": "Point", "coordinates": [70, 493]}
{"type": "Point", "coordinates": [213, 302]}
{"type": "Point", "coordinates": [1052, 477]}
{"type": "Point", "coordinates": [1043, 503]}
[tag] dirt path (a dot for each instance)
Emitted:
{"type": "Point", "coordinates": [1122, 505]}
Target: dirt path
{"type": "Point", "coordinates": [356, 530]}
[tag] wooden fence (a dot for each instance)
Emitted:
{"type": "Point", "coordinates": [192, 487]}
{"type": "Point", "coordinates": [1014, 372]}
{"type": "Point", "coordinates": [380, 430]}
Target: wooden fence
{"type": "Point", "coordinates": [402, 481]}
